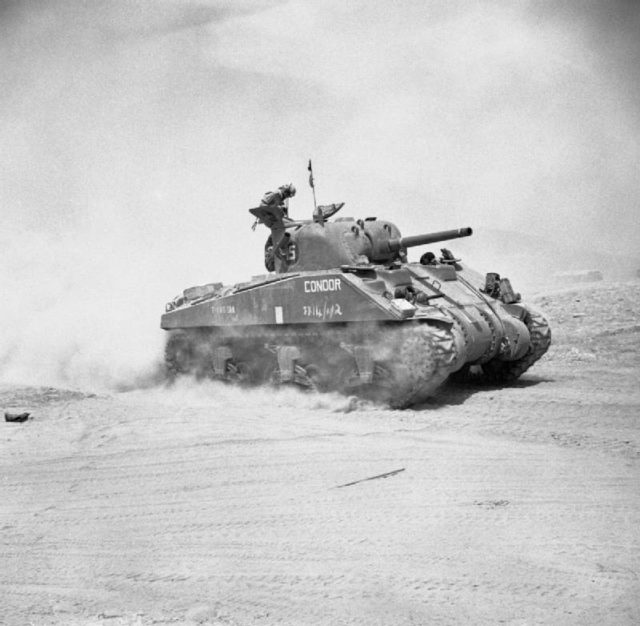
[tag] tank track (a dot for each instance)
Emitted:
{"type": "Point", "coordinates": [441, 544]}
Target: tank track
{"type": "Point", "coordinates": [497, 372]}
{"type": "Point", "coordinates": [399, 364]}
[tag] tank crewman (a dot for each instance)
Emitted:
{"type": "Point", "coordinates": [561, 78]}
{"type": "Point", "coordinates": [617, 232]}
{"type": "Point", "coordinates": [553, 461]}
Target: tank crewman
{"type": "Point", "coordinates": [428, 258]}
{"type": "Point", "coordinates": [278, 200]}
{"type": "Point", "coordinates": [277, 204]}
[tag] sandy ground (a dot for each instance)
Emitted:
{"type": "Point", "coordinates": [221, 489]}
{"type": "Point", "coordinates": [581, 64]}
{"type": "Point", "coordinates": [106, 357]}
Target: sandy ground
{"type": "Point", "coordinates": [209, 504]}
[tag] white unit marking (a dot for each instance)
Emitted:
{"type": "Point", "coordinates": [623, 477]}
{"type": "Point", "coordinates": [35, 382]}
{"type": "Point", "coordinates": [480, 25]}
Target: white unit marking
{"type": "Point", "coordinates": [324, 311]}
{"type": "Point", "coordinates": [278, 311]}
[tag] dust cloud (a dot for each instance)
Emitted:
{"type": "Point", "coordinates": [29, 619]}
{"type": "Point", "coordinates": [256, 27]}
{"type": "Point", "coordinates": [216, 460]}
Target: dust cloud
{"type": "Point", "coordinates": [136, 134]}
{"type": "Point", "coordinates": [189, 392]}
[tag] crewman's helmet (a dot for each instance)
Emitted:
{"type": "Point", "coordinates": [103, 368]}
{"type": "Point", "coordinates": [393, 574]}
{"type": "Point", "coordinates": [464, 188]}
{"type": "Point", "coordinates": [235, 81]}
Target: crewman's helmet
{"type": "Point", "coordinates": [288, 190]}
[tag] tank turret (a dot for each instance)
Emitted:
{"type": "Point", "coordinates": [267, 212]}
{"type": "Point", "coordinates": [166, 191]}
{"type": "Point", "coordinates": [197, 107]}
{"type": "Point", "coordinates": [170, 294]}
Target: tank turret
{"type": "Point", "coordinates": [320, 244]}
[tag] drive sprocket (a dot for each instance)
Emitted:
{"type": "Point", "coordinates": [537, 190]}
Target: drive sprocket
{"type": "Point", "coordinates": [498, 372]}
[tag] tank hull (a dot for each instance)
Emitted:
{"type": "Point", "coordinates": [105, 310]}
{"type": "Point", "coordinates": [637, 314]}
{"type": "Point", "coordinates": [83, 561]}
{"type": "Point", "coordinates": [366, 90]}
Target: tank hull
{"type": "Point", "coordinates": [394, 333]}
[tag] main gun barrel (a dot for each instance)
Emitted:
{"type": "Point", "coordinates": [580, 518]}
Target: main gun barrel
{"type": "Point", "coordinates": [399, 243]}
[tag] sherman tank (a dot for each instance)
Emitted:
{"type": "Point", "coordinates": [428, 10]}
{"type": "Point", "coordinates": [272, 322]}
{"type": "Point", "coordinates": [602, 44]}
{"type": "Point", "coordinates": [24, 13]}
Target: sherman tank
{"type": "Point", "coordinates": [341, 308]}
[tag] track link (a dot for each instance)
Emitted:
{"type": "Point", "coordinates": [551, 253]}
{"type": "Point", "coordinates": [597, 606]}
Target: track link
{"type": "Point", "coordinates": [419, 360]}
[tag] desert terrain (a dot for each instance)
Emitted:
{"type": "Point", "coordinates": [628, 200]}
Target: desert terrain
{"type": "Point", "coordinates": [202, 503]}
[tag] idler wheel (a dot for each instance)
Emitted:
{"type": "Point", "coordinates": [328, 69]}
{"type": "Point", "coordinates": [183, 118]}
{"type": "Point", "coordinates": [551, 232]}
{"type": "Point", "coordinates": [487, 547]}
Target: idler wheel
{"type": "Point", "coordinates": [178, 356]}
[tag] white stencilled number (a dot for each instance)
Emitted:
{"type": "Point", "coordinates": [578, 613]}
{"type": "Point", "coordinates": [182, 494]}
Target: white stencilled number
{"type": "Point", "coordinates": [292, 253]}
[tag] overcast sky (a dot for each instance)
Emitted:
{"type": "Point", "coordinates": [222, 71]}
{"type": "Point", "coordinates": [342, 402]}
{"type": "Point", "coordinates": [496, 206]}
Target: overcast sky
{"type": "Point", "coordinates": [136, 134]}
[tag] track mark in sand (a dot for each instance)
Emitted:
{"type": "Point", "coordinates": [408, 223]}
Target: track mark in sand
{"type": "Point", "coordinates": [362, 480]}
{"type": "Point", "coordinates": [491, 504]}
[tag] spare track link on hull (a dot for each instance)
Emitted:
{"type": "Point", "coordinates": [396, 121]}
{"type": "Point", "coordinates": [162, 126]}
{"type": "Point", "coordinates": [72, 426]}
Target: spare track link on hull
{"type": "Point", "coordinates": [400, 364]}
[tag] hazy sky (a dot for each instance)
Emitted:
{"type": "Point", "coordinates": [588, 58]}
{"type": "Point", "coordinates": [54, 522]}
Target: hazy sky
{"type": "Point", "coordinates": [136, 134]}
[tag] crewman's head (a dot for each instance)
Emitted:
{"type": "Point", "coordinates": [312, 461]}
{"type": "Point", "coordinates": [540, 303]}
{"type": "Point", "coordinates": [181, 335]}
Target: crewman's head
{"type": "Point", "coordinates": [288, 191]}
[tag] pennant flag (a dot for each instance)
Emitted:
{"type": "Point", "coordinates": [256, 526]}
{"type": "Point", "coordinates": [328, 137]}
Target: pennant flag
{"type": "Point", "coordinates": [310, 175]}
